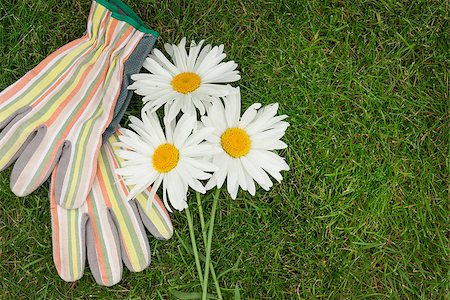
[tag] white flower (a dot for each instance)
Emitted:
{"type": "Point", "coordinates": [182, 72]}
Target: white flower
{"type": "Point", "coordinates": [192, 81]}
{"type": "Point", "coordinates": [174, 159]}
{"type": "Point", "coordinates": [245, 144]}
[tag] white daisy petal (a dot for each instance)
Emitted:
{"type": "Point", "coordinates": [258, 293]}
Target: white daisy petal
{"type": "Point", "coordinates": [169, 49]}
{"type": "Point", "coordinates": [216, 118]}
{"type": "Point", "coordinates": [241, 175]}
{"type": "Point", "coordinates": [202, 56]}
{"type": "Point", "coordinates": [169, 125]}
{"type": "Point", "coordinates": [152, 66]}
{"type": "Point", "coordinates": [256, 172]}
{"type": "Point", "coordinates": [183, 130]}
{"type": "Point", "coordinates": [200, 164]}
{"type": "Point", "coordinates": [195, 173]}
{"type": "Point", "coordinates": [263, 119]}
{"type": "Point", "coordinates": [269, 160]}
{"type": "Point", "coordinates": [211, 59]}
{"type": "Point", "coordinates": [191, 181]}
{"type": "Point", "coordinates": [153, 126]}
{"type": "Point", "coordinates": [179, 55]}
{"type": "Point", "coordinates": [156, 185]}
{"type": "Point", "coordinates": [269, 166]}
{"type": "Point", "coordinates": [233, 107]}
{"type": "Point", "coordinates": [194, 51]}
{"type": "Point", "coordinates": [209, 89]}
{"type": "Point", "coordinates": [153, 105]}
{"type": "Point", "coordinates": [139, 188]}
{"type": "Point", "coordinates": [176, 194]}
{"type": "Point", "coordinates": [155, 93]}
{"type": "Point", "coordinates": [149, 81]}
{"type": "Point", "coordinates": [213, 138]}
{"type": "Point", "coordinates": [211, 183]}
{"type": "Point", "coordinates": [129, 155]}
{"type": "Point", "coordinates": [174, 109]}
{"type": "Point", "coordinates": [249, 115]}
{"type": "Point", "coordinates": [268, 142]}
{"type": "Point", "coordinates": [166, 202]}
{"type": "Point", "coordinates": [222, 160]}
{"type": "Point", "coordinates": [250, 183]}
{"type": "Point", "coordinates": [198, 136]}
{"type": "Point", "coordinates": [198, 150]}
{"type": "Point", "coordinates": [224, 72]}
{"type": "Point", "coordinates": [232, 180]}
{"type": "Point", "coordinates": [199, 105]}
{"type": "Point", "coordinates": [164, 61]}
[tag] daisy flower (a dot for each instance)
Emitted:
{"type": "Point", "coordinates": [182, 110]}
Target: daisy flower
{"type": "Point", "coordinates": [192, 81]}
{"type": "Point", "coordinates": [245, 144]}
{"type": "Point", "coordinates": [174, 159]}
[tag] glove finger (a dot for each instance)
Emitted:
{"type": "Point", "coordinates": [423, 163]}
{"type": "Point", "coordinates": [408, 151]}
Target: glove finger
{"type": "Point", "coordinates": [14, 136]}
{"type": "Point", "coordinates": [154, 215]}
{"type": "Point", "coordinates": [5, 127]}
{"type": "Point", "coordinates": [134, 242]}
{"type": "Point", "coordinates": [8, 119]}
{"type": "Point", "coordinates": [68, 236]}
{"type": "Point", "coordinates": [133, 239]}
{"type": "Point", "coordinates": [35, 164]}
{"type": "Point", "coordinates": [103, 244]}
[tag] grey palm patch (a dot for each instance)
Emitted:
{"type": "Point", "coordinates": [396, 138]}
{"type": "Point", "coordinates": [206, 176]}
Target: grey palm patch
{"type": "Point", "coordinates": [132, 66]}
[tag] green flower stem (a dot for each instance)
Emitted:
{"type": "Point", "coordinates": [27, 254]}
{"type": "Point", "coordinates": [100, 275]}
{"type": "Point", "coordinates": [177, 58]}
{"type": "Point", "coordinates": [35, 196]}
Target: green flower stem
{"type": "Point", "coordinates": [208, 245]}
{"type": "Point", "coordinates": [200, 212]}
{"type": "Point", "coordinates": [202, 223]}
{"type": "Point", "coordinates": [194, 246]}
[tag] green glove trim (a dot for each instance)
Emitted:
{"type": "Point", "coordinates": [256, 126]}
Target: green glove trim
{"type": "Point", "coordinates": [123, 12]}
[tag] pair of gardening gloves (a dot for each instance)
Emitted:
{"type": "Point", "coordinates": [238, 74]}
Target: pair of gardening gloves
{"type": "Point", "coordinates": [60, 120]}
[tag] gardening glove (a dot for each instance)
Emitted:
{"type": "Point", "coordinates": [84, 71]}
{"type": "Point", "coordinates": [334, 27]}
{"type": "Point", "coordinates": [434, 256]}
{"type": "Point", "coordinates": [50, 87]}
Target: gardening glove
{"type": "Point", "coordinates": [53, 118]}
{"type": "Point", "coordinates": [107, 226]}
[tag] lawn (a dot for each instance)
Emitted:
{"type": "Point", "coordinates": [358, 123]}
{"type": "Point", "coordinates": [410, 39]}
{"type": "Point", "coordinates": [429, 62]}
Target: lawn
{"type": "Point", "coordinates": [363, 213]}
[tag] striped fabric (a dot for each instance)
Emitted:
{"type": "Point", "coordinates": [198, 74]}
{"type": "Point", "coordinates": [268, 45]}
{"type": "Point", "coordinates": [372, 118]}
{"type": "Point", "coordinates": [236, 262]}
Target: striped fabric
{"type": "Point", "coordinates": [52, 118]}
{"type": "Point", "coordinates": [113, 227]}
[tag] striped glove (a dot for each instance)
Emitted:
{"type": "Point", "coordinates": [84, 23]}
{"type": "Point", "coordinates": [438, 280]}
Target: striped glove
{"type": "Point", "coordinates": [53, 118]}
{"type": "Point", "coordinates": [109, 227]}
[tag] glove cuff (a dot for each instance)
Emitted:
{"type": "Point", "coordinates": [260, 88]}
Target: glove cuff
{"type": "Point", "coordinates": [123, 12]}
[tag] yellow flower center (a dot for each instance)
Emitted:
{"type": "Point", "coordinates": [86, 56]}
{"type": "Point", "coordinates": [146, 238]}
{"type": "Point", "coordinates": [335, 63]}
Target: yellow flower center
{"type": "Point", "coordinates": [186, 82]}
{"type": "Point", "coordinates": [165, 158]}
{"type": "Point", "coordinates": [235, 142]}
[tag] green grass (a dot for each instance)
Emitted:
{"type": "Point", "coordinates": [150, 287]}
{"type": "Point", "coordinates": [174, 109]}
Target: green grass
{"type": "Point", "coordinates": [363, 213]}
